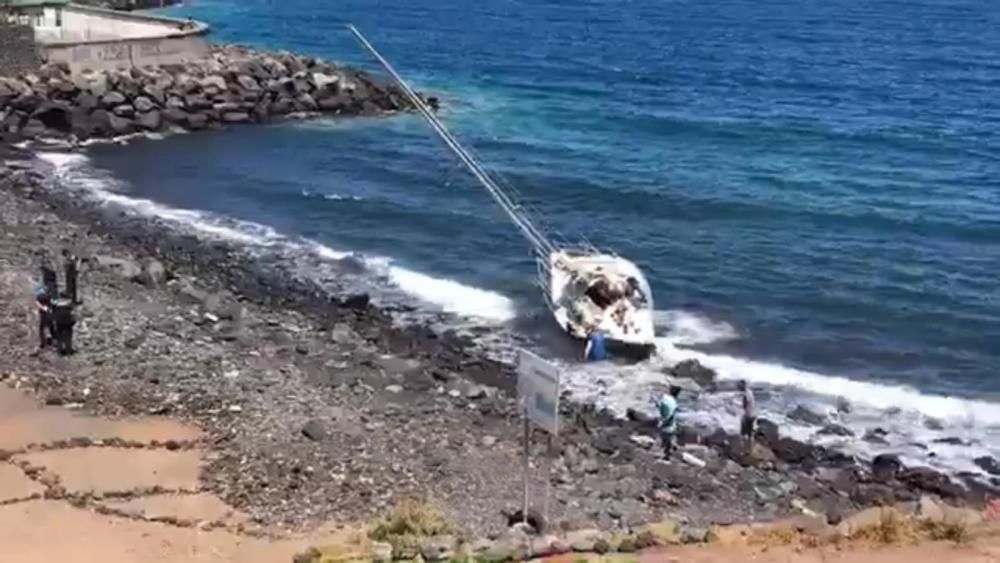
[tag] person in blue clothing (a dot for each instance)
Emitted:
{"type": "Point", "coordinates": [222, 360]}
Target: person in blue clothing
{"type": "Point", "coordinates": [596, 350]}
{"type": "Point", "coordinates": [666, 406]}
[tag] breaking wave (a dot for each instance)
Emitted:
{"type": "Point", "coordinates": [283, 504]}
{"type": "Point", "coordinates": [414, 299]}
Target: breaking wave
{"type": "Point", "coordinates": [75, 171]}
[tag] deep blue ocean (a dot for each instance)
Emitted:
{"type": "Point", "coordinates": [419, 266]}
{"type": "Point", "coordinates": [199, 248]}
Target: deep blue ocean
{"type": "Point", "coordinates": [812, 186]}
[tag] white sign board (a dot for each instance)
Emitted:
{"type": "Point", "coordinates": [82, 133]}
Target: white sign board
{"type": "Point", "coordinates": [538, 389]}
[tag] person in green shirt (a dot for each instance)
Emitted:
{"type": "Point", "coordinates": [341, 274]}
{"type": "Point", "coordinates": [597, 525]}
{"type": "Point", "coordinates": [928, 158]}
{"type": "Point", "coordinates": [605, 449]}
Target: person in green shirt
{"type": "Point", "coordinates": [666, 406]}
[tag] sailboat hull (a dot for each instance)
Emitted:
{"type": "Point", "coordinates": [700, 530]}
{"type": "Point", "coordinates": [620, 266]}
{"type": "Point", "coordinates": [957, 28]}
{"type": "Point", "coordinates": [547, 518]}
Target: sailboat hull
{"type": "Point", "coordinates": [590, 291]}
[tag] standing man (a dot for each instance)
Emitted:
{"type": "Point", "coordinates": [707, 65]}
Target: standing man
{"type": "Point", "coordinates": [749, 419]}
{"type": "Point", "coordinates": [62, 323]}
{"type": "Point", "coordinates": [667, 408]}
{"type": "Point", "coordinates": [71, 268]}
{"type": "Point", "coordinates": [43, 302]}
{"type": "Point", "coordinates": [49, 277]}
{"type": "Point", "coordinates": [596, 351]}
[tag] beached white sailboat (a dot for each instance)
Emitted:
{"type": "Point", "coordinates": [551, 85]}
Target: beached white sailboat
{"type": "Point", "coordinates": [585, 289]}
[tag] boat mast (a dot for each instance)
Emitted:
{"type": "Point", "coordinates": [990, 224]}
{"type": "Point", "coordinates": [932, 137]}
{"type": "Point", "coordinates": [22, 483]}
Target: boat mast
{"type": "Point", "coordinates": [541, 245]}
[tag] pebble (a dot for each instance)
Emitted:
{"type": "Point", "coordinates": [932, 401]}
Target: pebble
{"type": "Point", "coordinates": [488, 441]}
{"type": "Point", "coordinates": [394, 388]}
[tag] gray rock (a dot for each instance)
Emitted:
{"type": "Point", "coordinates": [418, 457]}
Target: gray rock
{"type": "Point", "coordinates": [886, 467]}
{"type": "Point", "coordinates": [33, 128]}
{"type": "Point", "coordinates": [96, 83]}
{"type": "Point", "coordinates": [325, 81]}
{"type": "Point", "coordinates": [113, 99]}
{"type": "Point", "coordinates": [876, 436]}
{"type": "Point", "coordinates": [394, 388]}
{"type": "Point", "coordinates": [155, 94]}
{"type": "Point", "coordinates": [643, 441]}
{"type": "Point", "coordinates": [988, 464]}
{"type": "Point", "coordinates": [224, 107]}
{"type": "Point", "coordinates": [87, 102]}
{"type": "Point", "coordinates": [174, 115]}
{"type": "Point", "coordinates": [314, 430]}
{"type": "Point", "coordinates": [197, 102]}
{"type": "Point", "coordinates": [235, 117]}
{"type": "Point", "coordinates": [196, 121]}
{"type": "Point", "coordinates": [247, 82]}
{"type": "Point", "coordinates": [152, 274]}
{"type": "Point", "coordinates": [307, 102]}
{"type": "Point", "coordinates": [694, 370]}
{"type": "Point", "coordinates": [143, 104]}
{"type": "Point", "coordinates": [381, 552]}
{"type": "Point", "coordinates": [120, 125]}
{"type": "Point", "coordinates": [932, 423]}
{"type": "Point", "coordinates": [807, 415]}
{"type": "Point", "coordinates": [476, 392]}
{"type": "Point", "coordinates": [150, 120]}
{"type": "Point", "coordinates": [175, 102]}
{"type": "Point", "coordinates": [213, 84]}
{"type": "Point", "coordinates": [124, 110]}
{"type": "Point", "coordinates": [488, 441]}
{"type": "Point", "coordinates": [582, 541]}
{"type": "Point", "coordinates": [833, 429]}
{"type": "Point", "coordinates": [438, 548]}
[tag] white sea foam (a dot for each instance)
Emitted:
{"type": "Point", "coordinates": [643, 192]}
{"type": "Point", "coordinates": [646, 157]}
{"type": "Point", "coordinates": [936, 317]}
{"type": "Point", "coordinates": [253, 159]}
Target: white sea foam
{"type": "Point", "coordinates": [452, 296]}
{"type": "Point", "coordinates": [75, 171]}
{"type": "Point", "coordinates": [623, 387]}
{"type": "Point", "coordinates": [331, 196]}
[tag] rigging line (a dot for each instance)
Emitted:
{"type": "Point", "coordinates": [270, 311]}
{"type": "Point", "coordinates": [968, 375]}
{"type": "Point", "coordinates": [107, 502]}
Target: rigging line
{"type": "Point", "coordinates": [541, 244]}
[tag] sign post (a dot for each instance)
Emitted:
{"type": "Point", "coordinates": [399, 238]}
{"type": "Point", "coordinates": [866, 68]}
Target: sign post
{"type": "Point", "coordinates": [538, 390]}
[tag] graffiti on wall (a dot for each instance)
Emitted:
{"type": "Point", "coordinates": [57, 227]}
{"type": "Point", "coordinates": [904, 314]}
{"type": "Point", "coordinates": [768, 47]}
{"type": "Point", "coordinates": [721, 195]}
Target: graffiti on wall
{"type": "Point", "coordinates": [136, 52]}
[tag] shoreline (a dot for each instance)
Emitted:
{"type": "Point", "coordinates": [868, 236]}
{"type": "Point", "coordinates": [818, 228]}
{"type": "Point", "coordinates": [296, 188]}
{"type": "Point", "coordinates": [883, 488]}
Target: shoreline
{"type": "Point", "coordinates": [309, 396]}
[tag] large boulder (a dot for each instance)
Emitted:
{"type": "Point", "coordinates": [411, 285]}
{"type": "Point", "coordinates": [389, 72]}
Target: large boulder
{"type": "Point", "coordinates": [33, 128]}
{"type": "Point", "coordinates": [235, 117]}
{"type": "Point", "coordinates": [213, 84]}
{"type": "Point", "coordinates": [124, 110]}
{"type": "Point", "coordinates": [196, 121]}
{"type": "Point", "coordinates": [694, 370]}
{"type": "Point", "coordinates": [886, 466]}
{"type": "Point", "coordinates": [175, 116]}
{"type": "Point", "coordinates": [247, 83]}
{"type": "Point", "coordinates": [120, 125]}
{"type": "Point", "coordinates": [807, 415]}
{"type": "Point", "coordinates": [988, 464]}
{"type": "Point", "coordinates": [93, 83]}
{"type": "Point", "coordinates": [931, 481]}
{"type": "Point", "coordinates": [143, 104]}
{"type": "Point", "coordinates": [113, 99]}
{"type": "Point", "coordinates": [150, 120]}
{"type": "Point", "coordinates": [306, 102]}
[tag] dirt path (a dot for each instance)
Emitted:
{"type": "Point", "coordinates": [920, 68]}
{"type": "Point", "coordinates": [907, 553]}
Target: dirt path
{"type": "Point", "coordinates": [87, 489]}
{"type": "Point", "coordinates": [79, 488]}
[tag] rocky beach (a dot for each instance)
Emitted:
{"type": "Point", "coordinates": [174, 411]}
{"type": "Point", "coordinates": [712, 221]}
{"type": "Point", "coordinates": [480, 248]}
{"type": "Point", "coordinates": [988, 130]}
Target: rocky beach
{"type": "Point", "coordinates": [321, 407]}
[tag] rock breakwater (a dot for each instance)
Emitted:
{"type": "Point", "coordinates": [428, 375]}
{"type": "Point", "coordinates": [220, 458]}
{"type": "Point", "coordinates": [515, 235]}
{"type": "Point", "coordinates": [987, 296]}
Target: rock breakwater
{"type": "Point", "coordinates": [233, 85]}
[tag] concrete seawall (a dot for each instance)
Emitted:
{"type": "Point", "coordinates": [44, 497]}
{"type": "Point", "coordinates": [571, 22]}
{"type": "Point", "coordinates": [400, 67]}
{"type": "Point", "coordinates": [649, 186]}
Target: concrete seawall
{"type": "Point", "coordinates": [99, 39]}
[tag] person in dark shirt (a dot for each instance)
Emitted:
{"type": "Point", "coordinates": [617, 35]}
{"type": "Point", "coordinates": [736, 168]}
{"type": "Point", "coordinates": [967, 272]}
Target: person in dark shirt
{"type": "Point", "coordinates": [71, 268]}
{"type": "Point", "coordinates": [43, 302]}
{"type": "Point", "coordinates": [62, 323]}
{"type": "Point", "coordinates": [749, 418]}
{"type": "Point", "coordinates": [49, 278]}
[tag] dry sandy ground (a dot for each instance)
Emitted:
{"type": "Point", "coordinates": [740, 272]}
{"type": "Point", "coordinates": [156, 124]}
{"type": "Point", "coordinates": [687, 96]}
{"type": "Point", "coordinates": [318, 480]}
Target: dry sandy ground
{"type": "Point", "coordinates": [139, 503]}
{"type": "Point", "coordinates": [82, 489]}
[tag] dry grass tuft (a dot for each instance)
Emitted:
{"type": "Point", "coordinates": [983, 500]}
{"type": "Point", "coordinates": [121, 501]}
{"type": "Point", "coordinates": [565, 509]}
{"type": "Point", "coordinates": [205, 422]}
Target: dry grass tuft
{"type": "Point", "coordinates": [410, 521]}
{"type": "Point", "coordinates": [945, 531]}
{"type": "Point", "coordinates": [891, 529]}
